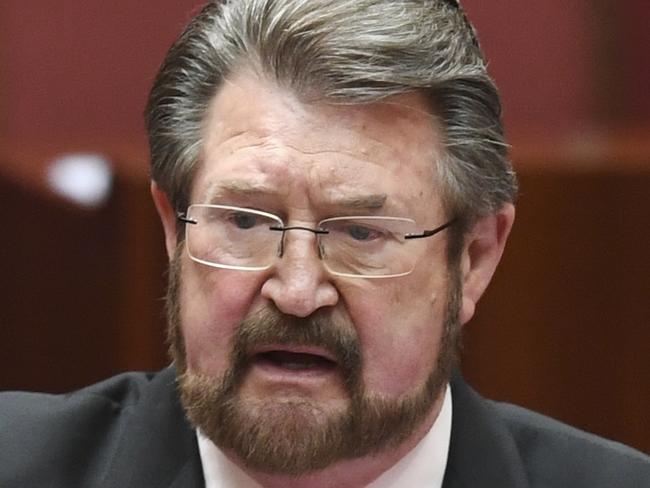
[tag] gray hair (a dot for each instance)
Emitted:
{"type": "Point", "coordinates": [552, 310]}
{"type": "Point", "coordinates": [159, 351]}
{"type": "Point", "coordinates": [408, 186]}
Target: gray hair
{"type": "Point", "coordinates": [348, 51]}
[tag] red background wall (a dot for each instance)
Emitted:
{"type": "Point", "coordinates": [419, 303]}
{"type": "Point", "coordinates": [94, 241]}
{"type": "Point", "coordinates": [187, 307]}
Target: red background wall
{"type": "Point", "coordinates": [85, 66]}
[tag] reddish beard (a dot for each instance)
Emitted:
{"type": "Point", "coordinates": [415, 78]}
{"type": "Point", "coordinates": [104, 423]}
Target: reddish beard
{"type": "Point", "coordinates": [299, 436]}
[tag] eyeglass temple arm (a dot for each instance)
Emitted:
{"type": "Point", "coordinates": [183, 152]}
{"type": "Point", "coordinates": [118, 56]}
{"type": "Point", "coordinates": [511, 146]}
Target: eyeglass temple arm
{"type": "Point", "coordinates": [183, 218]}
{"type": "Point", "coordinates": [429, 233]}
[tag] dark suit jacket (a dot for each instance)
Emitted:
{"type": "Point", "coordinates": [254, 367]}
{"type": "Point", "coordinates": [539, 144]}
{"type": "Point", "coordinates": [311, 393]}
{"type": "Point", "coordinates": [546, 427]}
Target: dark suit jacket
{"type": "Point", "coordinates": [130, 432]}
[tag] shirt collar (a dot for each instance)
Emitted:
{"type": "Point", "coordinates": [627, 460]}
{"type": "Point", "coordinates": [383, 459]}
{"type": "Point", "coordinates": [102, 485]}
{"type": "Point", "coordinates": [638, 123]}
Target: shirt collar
{"type": "Point", "coordinates": [423, 467]}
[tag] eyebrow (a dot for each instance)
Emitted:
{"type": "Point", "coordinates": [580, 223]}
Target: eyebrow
{"type": "Point", "coordinates": [238, 188]}
{"type": "Point", "coordinates": [247, 189]}
{"type": "Point", "coordinates": [359, 202]}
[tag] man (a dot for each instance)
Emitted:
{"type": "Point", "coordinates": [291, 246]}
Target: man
{"type": "Point", "coordinates": [334, 188]}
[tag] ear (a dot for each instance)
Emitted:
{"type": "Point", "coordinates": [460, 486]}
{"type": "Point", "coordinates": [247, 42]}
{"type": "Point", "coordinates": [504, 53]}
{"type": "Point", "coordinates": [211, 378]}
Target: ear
{"type": "Point", "coordinates": [167, 217]}
{"type": "Point", "coordinates": [482, 252]}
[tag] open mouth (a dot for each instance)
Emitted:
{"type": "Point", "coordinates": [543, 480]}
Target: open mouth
{"type": "Point", "coordinates": [294, 361]}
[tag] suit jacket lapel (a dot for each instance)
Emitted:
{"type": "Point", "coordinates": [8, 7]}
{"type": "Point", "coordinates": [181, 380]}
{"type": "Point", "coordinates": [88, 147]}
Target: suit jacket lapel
{"type": "Point", "coordinates": [158, 446]}
{"type": "Point", "coordinates": [482, 453]}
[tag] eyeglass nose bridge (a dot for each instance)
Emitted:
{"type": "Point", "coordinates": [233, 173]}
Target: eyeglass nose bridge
{"type": "Point", "coordinates": [317, 232]}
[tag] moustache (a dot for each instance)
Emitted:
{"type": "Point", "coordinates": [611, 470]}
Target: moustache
{"type": "Point", "coordinates": [320, 330]}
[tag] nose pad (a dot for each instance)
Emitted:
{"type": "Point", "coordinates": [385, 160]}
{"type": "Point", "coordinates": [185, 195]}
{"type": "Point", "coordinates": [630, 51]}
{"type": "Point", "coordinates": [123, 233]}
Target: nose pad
{"type": "Point", "coordinates": [300, 284]}
{"type": "Point", "coordinates": [301, 251]}
{"type": "Point", "coordinates": [280, 250]}
{"type": "Point", "coordinates": [317, 232]}
{"type": "Point", "coordinates": [321, 248]}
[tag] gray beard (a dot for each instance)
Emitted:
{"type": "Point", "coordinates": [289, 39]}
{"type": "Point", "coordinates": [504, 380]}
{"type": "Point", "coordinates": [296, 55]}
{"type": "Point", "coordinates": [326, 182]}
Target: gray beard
{"type": "Point", "coordinates": [299, 436]}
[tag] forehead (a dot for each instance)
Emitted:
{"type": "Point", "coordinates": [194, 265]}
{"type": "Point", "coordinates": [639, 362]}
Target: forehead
{"type": "Point", "coordinates": [261, 141]}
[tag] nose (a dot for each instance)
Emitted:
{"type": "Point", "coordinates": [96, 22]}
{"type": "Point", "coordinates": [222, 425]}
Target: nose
{"type": "Point", "coordinates": [299, 284]}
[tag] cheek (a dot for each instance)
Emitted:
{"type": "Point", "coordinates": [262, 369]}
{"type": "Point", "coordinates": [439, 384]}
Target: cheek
{"type": "Point", "coordinates": [213, 303]}
{"type": "Point", "coordinates": [400, 331]}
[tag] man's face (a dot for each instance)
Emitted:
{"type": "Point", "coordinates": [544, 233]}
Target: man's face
{"type": "Point", "coordinates": [293, 349]}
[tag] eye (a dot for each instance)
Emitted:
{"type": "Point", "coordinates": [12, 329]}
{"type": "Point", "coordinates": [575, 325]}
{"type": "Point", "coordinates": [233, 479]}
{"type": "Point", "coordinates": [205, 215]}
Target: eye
{"type": "Point", "coordinates": [243, 220]}
{"type": "Point", "coordinates": [361, 233]}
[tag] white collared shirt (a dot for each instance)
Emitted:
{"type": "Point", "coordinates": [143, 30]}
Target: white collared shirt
{"type": "Point", "coordinates": [423, 467]}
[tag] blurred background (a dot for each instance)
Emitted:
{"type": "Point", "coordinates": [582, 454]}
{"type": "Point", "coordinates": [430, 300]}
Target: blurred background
{"type": "Point", "coordinates": [565, 327]}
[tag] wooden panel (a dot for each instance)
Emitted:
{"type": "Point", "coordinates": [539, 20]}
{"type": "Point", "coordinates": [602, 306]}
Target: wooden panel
{"type": "Point", "coordinates": [58, 289]}
{"type": "Point", "coordinates": [81, 289]}
{"type": "Point", "coordinates": [564, 328]}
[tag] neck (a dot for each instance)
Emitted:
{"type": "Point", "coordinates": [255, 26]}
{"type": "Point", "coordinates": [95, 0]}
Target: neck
{"type": "Point", "coordinates": [353, 473]}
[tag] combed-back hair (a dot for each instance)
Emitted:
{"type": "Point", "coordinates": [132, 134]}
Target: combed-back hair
{"type": "Point", "coordinates": [344, 51]}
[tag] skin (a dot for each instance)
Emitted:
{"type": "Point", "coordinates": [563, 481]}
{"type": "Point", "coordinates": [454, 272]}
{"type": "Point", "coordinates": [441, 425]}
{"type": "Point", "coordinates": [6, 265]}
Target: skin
{"type": "Point", "coordinates": [266, 149]}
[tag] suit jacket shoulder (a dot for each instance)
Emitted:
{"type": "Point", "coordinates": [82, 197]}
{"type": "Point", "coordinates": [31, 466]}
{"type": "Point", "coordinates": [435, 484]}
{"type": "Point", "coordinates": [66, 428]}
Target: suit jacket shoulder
{"type": "Point", "coordinates": [102, 436]}
{"type": "Point", "coordinates": [500, 445]}
{"type": "Point", "coordinates": [556, 454]}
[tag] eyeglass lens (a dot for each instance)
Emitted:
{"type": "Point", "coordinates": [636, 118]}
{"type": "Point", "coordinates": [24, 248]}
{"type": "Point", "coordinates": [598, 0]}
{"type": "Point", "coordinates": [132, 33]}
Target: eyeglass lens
{"type": "Point", "coordinates": [239, 238]}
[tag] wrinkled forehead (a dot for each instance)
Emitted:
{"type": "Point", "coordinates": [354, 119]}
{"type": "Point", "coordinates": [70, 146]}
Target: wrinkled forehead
{"type": "Point", "coordinates": [262, 134]}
